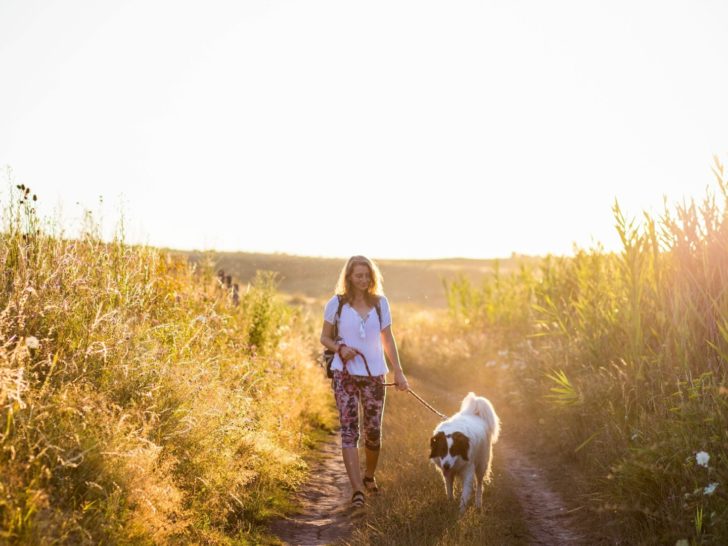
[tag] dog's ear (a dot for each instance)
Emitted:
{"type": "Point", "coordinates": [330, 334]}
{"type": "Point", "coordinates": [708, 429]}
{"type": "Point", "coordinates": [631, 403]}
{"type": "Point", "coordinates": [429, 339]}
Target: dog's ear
{"type": "Point", "coordinates": [438, 445]}
{"type": "Point", "coordinates": [460, 445]}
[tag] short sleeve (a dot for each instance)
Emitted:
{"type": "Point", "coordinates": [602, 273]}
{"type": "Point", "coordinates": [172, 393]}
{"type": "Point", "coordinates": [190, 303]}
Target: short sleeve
{"type": "Point", "coordinates": [386, 313]}
{"type": "Point", "coordinates": [330, 310]}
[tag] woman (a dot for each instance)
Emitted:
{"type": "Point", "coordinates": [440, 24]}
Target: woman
{"type": "Point", "coordinates": [364, 321]}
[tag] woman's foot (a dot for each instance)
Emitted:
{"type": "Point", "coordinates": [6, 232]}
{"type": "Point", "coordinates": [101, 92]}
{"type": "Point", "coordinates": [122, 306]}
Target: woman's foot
{"type": "Point", "coordinates": [357, 500]}
{"type": "Point", "coordinates": [371, 484]}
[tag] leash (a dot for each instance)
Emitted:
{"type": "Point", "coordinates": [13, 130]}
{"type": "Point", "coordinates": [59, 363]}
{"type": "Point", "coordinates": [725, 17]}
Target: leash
{"type": "Point", "coordinates": [413, 393]}
{"type": "Point", "coordinates": [428, 406]}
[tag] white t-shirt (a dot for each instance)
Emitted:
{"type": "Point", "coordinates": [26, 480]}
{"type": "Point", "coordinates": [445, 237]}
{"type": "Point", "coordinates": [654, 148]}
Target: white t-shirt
{"type": "Point", "coordinates": [362, 334]}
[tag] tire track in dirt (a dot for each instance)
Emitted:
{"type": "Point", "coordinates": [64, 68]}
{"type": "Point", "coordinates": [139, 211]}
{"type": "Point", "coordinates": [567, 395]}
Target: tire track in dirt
{"type": "Point", "coordinates": [545, 512]}
{"type": "Point", "coordinates": [324, 499]}
{"type": "Point", "coordinates": [324, 502]}
{"type": "Point", "coordinates": [546, 515]}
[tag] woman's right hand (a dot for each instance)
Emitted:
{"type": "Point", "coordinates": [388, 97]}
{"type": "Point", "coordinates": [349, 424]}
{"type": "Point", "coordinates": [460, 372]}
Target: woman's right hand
{"type": "Point", "coordinates": [346, 353]}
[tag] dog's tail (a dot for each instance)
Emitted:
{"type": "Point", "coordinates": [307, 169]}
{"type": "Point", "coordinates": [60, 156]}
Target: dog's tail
{"type": "Point", "coordinates": [477, 405]}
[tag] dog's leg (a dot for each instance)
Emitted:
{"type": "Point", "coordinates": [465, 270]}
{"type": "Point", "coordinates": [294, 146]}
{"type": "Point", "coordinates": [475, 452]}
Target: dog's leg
{"type": "Point", "coordinates": [488, 460]}
{"type": "Point", "coordinates": [482, 472]}
{"type": "Point", "coordinates": [479, 473]}
{"type": "Point", "coordinates": [479, 491]}
{"type": "Point", "coordinates": [449, 479]}
{"type": "Point", "coordinates": [467, 488]}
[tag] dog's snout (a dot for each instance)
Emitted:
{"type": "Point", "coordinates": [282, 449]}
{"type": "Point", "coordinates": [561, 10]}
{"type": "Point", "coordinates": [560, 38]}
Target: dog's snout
{"type": "Point", "coordinates": [446, 466]}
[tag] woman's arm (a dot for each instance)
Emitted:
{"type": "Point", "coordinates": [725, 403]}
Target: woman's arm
{"type": "Point", "coordinates": [327, 337]}
{"type": "Point", "coordinates": [390, 349]}
{"type": "Point", "coordinates": [328, 341]}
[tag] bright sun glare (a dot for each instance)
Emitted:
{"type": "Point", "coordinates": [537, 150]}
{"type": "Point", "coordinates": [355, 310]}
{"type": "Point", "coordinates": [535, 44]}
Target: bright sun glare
{"type": "Point", "coordinates": [395, 129]}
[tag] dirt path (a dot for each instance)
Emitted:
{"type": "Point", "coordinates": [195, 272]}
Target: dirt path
{"type": "Point", "coordinates": [324, 501]}
{"type": "Point", "coordinates": [547, 518]}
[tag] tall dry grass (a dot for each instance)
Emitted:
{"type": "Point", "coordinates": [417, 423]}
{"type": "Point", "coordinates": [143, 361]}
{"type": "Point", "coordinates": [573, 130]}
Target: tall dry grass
{"type": "Point", "coordinates": [412, 508]}
{"type": "Point", "coordinates": [624, 359]}
{"type": "Point", "coordinates": [137, 405]}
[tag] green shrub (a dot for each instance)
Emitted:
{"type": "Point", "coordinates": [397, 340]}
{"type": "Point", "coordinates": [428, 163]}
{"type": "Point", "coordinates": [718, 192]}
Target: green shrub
{"type": "Point", "coordinates": [624, 359]}
{"type": "Point", "coordinates": [137, 404]}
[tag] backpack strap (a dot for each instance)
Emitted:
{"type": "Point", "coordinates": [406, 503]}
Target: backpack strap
{"type": "Point", "coordinates": [337, 316]}
{"type": "Point", "coordinates": [379, 312]}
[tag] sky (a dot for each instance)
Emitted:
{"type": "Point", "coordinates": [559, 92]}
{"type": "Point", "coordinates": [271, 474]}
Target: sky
{"type": "Point", "coordinates": [396, 129]}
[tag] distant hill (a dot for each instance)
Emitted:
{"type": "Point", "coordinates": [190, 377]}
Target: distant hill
{"type": "Point", "coordinates": [405, 281]}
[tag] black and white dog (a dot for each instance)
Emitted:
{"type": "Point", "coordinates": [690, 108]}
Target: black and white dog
{"type": "Point", "coordinates": [463, 446]}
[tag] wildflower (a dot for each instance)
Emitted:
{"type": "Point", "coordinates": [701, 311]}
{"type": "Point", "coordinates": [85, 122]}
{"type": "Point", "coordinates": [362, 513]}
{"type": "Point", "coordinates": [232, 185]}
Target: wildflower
{"type": "Point", "coordinates": [710, 488]}
{"type": "Point", "coordinates": [702, 458]}
{"type": "Point", "coordinates": [31, 342]}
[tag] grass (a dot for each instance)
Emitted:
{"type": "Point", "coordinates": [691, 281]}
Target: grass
{"type": "Point", "coordinates": [138, 405]}
{"type": "Point", "coordinates": [412, 508]}
{"type": "Point", "coordinates": [623, 356]}
{"type": "Point", "coordinates": [417, 282]}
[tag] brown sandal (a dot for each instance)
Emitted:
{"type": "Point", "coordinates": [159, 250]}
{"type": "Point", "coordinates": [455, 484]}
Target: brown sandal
{"type": "Point", "coordinates": [357, 500]}
{"type": "Point", "coordinates": [371, 484]}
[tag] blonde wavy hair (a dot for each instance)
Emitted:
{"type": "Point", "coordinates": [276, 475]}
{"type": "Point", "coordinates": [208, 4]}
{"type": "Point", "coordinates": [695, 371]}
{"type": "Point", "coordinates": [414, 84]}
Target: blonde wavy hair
{"type": "Point", "coordinates": [344, 287]}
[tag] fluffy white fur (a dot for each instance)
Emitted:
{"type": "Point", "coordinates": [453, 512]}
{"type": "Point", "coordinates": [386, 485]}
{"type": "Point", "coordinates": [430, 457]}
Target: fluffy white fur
{"type": "Point", "coordinates": [478, 422]}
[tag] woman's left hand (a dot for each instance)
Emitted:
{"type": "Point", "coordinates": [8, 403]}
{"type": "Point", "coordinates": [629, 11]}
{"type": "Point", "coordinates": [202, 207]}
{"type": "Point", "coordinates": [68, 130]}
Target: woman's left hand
{"type": "Point", "coordinates": [400, 381]}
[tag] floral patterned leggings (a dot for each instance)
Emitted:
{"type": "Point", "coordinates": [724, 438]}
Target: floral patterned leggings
{"type": "Point", "coordinates": [347, 391]}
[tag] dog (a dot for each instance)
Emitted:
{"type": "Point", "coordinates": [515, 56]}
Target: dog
{"type": "Point", "coordinates": [463, 446]}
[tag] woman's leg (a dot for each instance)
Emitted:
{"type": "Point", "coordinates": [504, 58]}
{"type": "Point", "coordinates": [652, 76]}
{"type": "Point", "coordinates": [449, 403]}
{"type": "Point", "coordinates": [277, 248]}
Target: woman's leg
{"type": "Point", "coordinates": [351, 462]}
{"type": "Point", "coordinates": [346, 394]}
{"type": "Point", "coordinates": [372, 457]}
{"type": "Point", "coordinates": [372, 393]}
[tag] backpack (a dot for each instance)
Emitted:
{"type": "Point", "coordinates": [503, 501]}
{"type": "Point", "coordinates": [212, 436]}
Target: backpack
{"type": "Point", "coordinates": [328, 356]}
